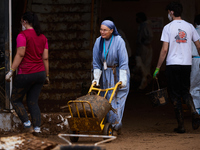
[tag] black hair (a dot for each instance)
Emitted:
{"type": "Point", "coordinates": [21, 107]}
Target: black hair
{"type": "Point", "coordinates": [176, 7]}
{"type": "Point", "coordinates": [197, 19]}
{"type": "Point", "coordinates": [33, 21]}
{"type": "Point", "coordinates": [142, 16]}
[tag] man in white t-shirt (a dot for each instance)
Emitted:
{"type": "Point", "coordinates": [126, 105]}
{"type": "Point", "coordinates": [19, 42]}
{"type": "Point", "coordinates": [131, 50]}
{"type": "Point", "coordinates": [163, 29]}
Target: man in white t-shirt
{"type": "Point", "coordinates": [177, 37]}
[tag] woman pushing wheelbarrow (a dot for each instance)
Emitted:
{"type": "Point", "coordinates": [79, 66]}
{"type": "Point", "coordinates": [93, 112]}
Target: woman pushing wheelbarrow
{"type": "Point", "coordinates": [110, 65]}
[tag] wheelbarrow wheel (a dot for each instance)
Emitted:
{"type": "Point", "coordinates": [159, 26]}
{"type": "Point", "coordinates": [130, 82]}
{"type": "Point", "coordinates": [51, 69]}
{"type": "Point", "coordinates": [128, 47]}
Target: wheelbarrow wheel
{"type": "Point", "coordinates": [73, 138]}
{"type": "Point", "coordinates": [108, 129]}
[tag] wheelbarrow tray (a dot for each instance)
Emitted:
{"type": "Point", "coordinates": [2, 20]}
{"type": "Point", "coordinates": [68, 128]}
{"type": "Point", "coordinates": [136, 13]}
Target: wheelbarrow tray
{"type": "Point", "coordinates": [87, 115]}
{"type": "Point", "coordinates": [84, 124]}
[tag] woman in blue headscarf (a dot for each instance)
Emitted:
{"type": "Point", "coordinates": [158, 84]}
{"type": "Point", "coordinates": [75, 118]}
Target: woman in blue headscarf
{"type": "Point", "coordinates": [109, 54]}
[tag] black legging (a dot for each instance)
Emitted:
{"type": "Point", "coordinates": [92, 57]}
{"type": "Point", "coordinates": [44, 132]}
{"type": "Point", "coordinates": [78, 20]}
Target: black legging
{"type": "Point", "coordinates": [178, 80]}
{"type": "Point", "coordinates": [31, 85]}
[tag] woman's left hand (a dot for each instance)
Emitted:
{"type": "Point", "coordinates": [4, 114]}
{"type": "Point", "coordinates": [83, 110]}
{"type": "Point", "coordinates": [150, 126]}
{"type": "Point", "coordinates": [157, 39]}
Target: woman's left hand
{"type": "Point", "coordinates": [9, 75]}
{"type": "Point", "coordinates": [47, 81]}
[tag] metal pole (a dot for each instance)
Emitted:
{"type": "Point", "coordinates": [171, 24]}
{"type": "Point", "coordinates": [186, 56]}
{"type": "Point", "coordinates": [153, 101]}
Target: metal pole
{"type": "Point", "coordinates": [8, 49]}
{"type": "Point", "coordinates": [7, 53]}
{"type": "Point", "coordinates": [10, 41]}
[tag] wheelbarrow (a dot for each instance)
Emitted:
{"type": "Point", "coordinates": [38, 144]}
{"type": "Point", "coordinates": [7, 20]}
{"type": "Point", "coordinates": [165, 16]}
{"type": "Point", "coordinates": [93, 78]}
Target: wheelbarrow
{"type": "Point", "coordinates": [88, 115]}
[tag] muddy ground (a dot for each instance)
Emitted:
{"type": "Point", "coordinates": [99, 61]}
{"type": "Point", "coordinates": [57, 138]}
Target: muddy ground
{"type": "Point", "coordinates": [149, 128]}
{"type": "Point", "coordinates": [144, 128]}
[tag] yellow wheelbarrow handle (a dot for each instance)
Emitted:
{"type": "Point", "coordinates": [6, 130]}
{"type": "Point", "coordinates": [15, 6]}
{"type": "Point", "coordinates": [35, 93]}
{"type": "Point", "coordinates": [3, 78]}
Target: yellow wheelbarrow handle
{"type": "Point", "coordinates": [92, 88]}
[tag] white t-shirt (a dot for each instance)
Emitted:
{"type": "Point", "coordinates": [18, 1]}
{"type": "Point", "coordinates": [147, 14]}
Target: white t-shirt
{"type": "Point", "coordinates": [179, 34]}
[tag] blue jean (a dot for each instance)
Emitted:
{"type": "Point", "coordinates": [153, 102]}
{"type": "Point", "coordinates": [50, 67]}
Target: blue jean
{"type": "Point", "coordinates": [29, 85]}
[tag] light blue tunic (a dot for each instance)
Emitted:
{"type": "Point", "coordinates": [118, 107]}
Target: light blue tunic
{"type": "Point", "coordinates": [117, 55]}
{"type": "Point", "coordinates": [195, 76]}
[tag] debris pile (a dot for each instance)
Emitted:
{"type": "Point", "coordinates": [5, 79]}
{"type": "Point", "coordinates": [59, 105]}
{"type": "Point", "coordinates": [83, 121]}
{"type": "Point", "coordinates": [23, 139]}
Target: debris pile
{"type": "Point", "coordinates": [53, 124]}
{"type": "Point", "coordinates": [25, 141]}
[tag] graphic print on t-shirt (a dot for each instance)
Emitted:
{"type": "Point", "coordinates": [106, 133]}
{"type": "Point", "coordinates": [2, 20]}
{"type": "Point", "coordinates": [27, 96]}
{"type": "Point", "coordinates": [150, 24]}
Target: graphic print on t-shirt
{"type": "Point", "coordinates": [181, 37]}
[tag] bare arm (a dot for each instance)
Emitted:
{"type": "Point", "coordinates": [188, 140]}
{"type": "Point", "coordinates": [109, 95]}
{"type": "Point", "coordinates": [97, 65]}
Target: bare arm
{"type": "Point", "coordinates": [163, 54]}
{"type": "Point", "coordinates": [18, 57]}
{"type": "Point", "coordinates": [197, 44]}
{"type": "Point", "coordinates": [45, 58]}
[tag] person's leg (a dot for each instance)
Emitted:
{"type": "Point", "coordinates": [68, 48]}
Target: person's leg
{"type": "Point", "coordinates": [20, 87]}
{"type": "Point", "coordinates": [32, 98]}
{"type": "Point", "coordinates": [174, 88]}
{"type": "Point", "coordinates": [195, 83]}
{"type": "Point", "coordinates": [187, 98]}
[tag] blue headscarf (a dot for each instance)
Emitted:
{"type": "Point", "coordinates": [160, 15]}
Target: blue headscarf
{"type": "Point", "coordinates": [110, 25]}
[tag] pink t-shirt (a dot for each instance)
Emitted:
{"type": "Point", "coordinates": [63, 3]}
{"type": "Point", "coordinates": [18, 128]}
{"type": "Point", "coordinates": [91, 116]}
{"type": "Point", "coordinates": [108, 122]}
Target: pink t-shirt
{"type": "Point", "coordinates": [21, 40]}
{"type": "Point", "coordinates": [35, 45]}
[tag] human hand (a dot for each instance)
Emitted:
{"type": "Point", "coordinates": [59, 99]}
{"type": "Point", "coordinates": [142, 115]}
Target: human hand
{"type": "Point", "coordinates": [97, 75]}
{"type": "Point", "coordinates": [156, 72]}
{"type": "Point", "coordinates": [47, 81]}
{"type": "Point", "coordinates": [9, 75]}
{"type": "Point", "coordinates": [97, 82]}
{"type": "Point", "coordinates": [123, 78]}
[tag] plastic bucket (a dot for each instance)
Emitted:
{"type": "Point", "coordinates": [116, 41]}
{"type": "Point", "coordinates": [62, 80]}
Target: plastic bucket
{"type": "Point", "coordinates": [100, 106]}
{"type": "Point", "coordinates": [158, 97]}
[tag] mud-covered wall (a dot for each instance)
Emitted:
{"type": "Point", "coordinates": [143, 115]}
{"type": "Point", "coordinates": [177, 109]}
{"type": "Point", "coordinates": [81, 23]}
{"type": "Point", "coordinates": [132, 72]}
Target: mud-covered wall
{"type": "Point", "coordinates": [68, 25]}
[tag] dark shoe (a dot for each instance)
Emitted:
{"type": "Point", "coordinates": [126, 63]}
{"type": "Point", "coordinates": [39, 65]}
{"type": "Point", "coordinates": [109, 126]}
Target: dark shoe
{"type": "Point", "coordinates": [119, 131]}
{"type": "Point", "coordinates": [195, 121]}
{"type": "Point", "coordinates": [115, 133]}
{"type": "Point", "coordinates": [40, 134]}
{"type": "Point", "coordinates": [28, 129]}
{"type": "Point", "coordinates": [179, 130]}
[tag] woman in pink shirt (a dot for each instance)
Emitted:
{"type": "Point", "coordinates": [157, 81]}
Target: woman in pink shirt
{"type": "Point", "coordinates": [32, 62]}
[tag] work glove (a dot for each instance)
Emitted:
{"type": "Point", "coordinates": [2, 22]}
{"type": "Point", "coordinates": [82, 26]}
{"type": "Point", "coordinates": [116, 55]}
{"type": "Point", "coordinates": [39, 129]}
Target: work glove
{"type": "Point", "coordinates": [47, 81]}
{"type": "Point", "coordinates": [97, 75]}
{"type": "Point", "coordinates": [9, 75]}
{"type": "Point", "coordinates": [123, 77]}
{"type": "Point", "coordinates": [156, 72]}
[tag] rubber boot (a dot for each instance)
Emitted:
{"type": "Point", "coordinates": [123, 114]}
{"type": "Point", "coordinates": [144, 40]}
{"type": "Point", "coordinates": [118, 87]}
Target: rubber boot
{"type": "Point", "coordinates": [180, 120]}
{"type": "Point", "coordinates": [190, 104]}
{"type": "Point", "coordinates": [195, 116]}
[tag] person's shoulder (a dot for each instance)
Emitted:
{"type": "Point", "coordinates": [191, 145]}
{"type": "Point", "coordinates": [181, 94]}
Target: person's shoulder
{"type": "Point", "coordinates": [189, 24]}
{"type": "Point", "coordinates": [185, 22]}
{"type": "Point", "coordinates": [118, 37]}
{"type": "Point", "coordinates": [98, 39]}
{"type": "Point", "coordinates": [21, 34]}
{"type": "Point", "coordinates": [42, 35]}
{"type": "Point", "coordinates": [167, 25]}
